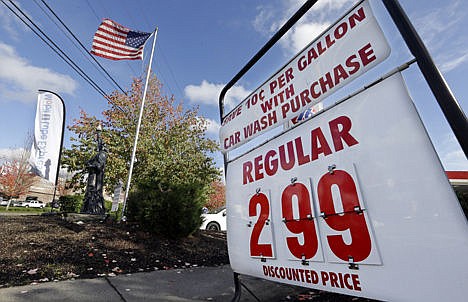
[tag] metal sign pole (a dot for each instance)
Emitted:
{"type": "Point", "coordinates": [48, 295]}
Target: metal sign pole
{"type": "Point", "coordinates": [444, 96]}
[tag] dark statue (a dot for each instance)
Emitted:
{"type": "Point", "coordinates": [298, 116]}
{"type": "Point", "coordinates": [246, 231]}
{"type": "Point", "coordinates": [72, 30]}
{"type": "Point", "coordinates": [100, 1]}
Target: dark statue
{"type": "Point", "coordinates": [94, 200]}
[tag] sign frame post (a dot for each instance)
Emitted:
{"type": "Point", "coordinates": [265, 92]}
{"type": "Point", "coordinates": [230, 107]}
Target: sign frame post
{"type": "Point", "coordinates": [280, 33]}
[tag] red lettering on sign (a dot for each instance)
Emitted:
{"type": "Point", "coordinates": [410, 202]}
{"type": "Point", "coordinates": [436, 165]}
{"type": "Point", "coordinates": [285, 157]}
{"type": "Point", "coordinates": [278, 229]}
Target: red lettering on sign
{"type": "Point", "coordinates": [352, 64]}
{"type": "Point", "coordinates": [232, 140]}
{"type": "Point", "coordinates": [247, 172]}
{"type": "Point", "coordinates": [293, 153]}
{"type": "Point", "coordinates": [367, 54]}
{"type": "Point", "coordinates": [281, 81]}
{"type": "Point", "coordinates": [305, 246]}
{"type": "Point", "coordinates": [301, 158]}
{"type": "Point", "coordinates": [262, 123]}
{"type": "Point", "coordinates": [319, 144]}
{"type": "Point", "coordinates": [356, 282]}
{"type": "Point", "coordinates": [236, 112]}
{"type": "Point", "coordinates": [287, 163]}
{"type": "Point", "coordinates": [258, 167]}
{"type": "Point", "coordinates": [352, 220]}
{"type": "Point", "coordinates": [299, 225]}
{"type": "Point", "coordinates": [338, 33]}
{"type": "Point", "coordinates": [257, 249]}
{"type": "Point", "coordinates": [340, 280]}
{"type": "Point", "coordinates": [338, 135]}
{"type": "Point", "coordinates": [271, 163]}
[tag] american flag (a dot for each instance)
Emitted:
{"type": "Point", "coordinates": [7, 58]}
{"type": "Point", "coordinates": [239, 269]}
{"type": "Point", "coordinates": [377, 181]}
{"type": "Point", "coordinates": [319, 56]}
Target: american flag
{"type": "Point", "coordinates": [116, 42]}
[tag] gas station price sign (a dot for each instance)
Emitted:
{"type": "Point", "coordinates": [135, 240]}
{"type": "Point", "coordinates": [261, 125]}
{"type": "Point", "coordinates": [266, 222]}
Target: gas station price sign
{"type": "Point", "coordinates": [354, 201]}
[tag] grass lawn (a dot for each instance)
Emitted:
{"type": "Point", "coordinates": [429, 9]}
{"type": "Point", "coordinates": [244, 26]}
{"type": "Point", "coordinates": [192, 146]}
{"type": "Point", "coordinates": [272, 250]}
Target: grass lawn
{"type": "Point", "coordinates": [3, 209]}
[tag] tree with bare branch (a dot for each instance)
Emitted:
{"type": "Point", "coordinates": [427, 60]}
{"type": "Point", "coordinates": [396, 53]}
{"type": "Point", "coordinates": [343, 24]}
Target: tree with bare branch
{"type": "Point", "coordinates": [16, 176]}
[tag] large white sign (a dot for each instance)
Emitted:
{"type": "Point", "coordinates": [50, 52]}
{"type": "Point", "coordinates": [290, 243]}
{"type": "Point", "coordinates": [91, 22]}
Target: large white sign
{"type": "Point", "coordinates": [354, 201]}
{"type": "Point", "coordinates": [45, 150]}
{"type": "Point", "coordinates": [348, 49]}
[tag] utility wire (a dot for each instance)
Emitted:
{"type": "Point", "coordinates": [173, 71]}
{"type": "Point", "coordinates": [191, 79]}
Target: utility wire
{"type": "Point", "coordinates": [62, 55]}
{"type": "Point", "coordinates": [68, 37]}
{"type": "Point", "coordinates": [164, 80]}
{"type": "Point", "coordinates": [59, 52]}
{"type": "Point", "coordinates": [170, 71]}
{"type": "Point", "coordinates": [98, 20]}
{"type": "Point", "coordinates": [82, 46]}
{"type": "Point", "coordinates": [132, 70]}
{"type": "Point", "coordinates": [92, 9]}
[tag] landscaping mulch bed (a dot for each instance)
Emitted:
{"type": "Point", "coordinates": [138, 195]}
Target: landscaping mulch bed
{"type": "Point", "coordinates": [46, 248]}
{"type": "Point", "coordinates": [35, 249]}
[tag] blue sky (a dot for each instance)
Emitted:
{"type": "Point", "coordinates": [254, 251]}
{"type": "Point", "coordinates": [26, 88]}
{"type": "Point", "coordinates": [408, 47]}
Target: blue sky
{"type": "Point", "coordinates": [201, 45]}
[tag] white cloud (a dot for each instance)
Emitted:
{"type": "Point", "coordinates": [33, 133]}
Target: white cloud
{"type": "Point", "coordinates": [454, 62]}
{"type": "Point", "coordinates": [439, 29]}
{"type": "Point", "coordinates": [304, 33]}
{"type": "Point", "coordinates": [262, 22]}
{"type": "Point", "coordinates": [329, 5]}
{"type": "Point", "coordinates": [437, 25]}
{"type": "Point", "coordinates": [208, 94]}
{"type": "Point", "coordinates": [20, 81]}
{"type": "Point", "coordinates": [212, 127]}
{"type": "Point", "coordinates": [451, 155]}
{"type": "Point", "coordinates": [9, 23]}
{"type": "Point", "coordinates": [205, 93]}
{"type": "Point", "coordinates": [455, 161]}
{"type": "Point", "coordinates": [435, 21]}
{"type": "Point", "coordinates": [271, 17]}
{"type": "Point", "coordinates": [10, 153]}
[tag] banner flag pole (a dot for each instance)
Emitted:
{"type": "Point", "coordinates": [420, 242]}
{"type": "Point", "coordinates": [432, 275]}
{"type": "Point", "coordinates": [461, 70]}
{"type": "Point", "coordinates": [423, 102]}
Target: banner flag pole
{"type": "Point", "coordinates": [127, 189]}
{"type": "Point", "coordinates": [46, 149]}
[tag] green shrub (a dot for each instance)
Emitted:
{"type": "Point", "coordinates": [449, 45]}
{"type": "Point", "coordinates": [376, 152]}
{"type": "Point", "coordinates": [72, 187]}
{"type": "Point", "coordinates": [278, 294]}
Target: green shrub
{"type": "Point", "coordinates": [71, 203]}
{"type": "Point", "coordinates": [108, 205]}
{"type": "Point", "coordinates": [172, 211]}
{"type": "Point", "coordinates": [117, 214]}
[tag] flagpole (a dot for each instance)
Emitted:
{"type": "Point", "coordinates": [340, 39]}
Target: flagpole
{"type": "Point", "coordinates": [127, 189]}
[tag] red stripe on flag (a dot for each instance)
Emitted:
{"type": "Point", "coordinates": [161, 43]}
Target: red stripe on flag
{"type": "Point", "coordinates": [113, 37]}
{"type": "Point", "coordinates": [105, 26]}
{"type": "Point", "coordinates": [115, 26]}
{"type": "Point", "coordinates": [114, 58]}
{"type": "Point", "coordinates": [117, 53]}
{"type": "Point", "coordinates": [110, 41]}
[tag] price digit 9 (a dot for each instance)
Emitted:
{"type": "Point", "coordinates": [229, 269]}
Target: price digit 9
{"type": "Point", "coordinates": [354, 221]}
{"type": "Point", "coordinates": [301, 225]}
